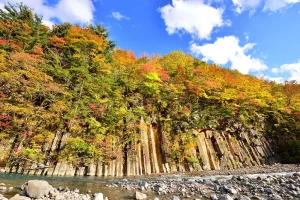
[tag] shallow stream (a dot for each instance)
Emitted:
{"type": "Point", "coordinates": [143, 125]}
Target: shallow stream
{"type": "Point", "coordinates": [97, 184]}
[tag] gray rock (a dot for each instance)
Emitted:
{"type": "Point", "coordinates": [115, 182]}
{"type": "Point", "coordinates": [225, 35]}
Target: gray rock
{"type": "Point", "coordinates": [144, 184]}
{"type": "Point", "coordinates": [140, 196]}
{"type": "Point", "coordinates": [156, 198]}
{"type": "Point", "coordinates": [292, 187]}
{"type": "Point", "coordinates": [18, 197]}
{"type": "Point", "coordinates": [216, 188]}
{"type": "Point", "coordinates": [142, 188]}
{"type": "Point", "coordinates": [243, 197]}
{"type": "Point", "coordinates": [85, 197]}
{"type": "Point", "coordinates": [297, 174]}
{"type": "Point", "coordinates": [76, 190]}
{"type": "Point", "coordinates": [2, 188]}
{"type": "Point", "coordinates": [213, 197]}
{"type": "Point", "coordinates": [158, 188]}
{"type": "Point", "coordinates": [276, 197]}
{"type": "Point", "coordinates": [268, 190]}
{"type": "Point", "coordinates": [230, 190]}
{"type": "Point", "coordinates": [225, 197]}
{"type": "Point", "coordinates": [37, 188]}
{"type": "Point", "coordinates": [175, 198]}
{"type": "Point", "coordinates": [99, 196]}
{"type": "Point", "coordinates": [53, 193]}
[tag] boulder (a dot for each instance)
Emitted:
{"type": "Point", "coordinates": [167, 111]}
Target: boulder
{"type": "Point", "coordinates": [37, 188]}
{"type": "Point", "coordinates": [140, 196]}
{"type": "Point", "coordinates": [175, 198]}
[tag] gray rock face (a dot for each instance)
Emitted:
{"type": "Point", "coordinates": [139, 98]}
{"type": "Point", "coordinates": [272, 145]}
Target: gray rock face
{"type": "Point", "coordinates": [37, 188]}
{"type": "Point", "coordinates": [140, 196]}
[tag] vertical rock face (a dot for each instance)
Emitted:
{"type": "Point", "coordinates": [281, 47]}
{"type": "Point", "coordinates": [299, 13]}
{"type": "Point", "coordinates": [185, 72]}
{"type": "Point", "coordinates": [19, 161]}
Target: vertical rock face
{"type": "Point", "coordinates": [147, 154]}
{"type": "Point", "coordinates": [145, 148]}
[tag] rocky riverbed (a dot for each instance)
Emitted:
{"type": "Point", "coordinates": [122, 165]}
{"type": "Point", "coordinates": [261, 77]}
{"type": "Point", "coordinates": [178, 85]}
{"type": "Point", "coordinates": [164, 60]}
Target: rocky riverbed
{"type": "Point", "coordinates": [272, 183]}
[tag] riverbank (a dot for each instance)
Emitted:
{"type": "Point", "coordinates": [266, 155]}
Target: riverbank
{"type": "Point", "coordinates": [265, 182]}
{"type": "Point", "coordinates": [275, 168]}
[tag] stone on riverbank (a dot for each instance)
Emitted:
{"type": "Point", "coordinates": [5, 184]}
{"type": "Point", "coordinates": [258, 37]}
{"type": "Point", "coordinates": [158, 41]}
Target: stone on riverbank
{"type": "Point", "coordinates": [37, 188]}
{"type": "Point", "coordinates": [3, 188]}
{"type": "Point", "coordinates": [225, 197]}
{"type": "Point", "coordinates": [18, 197]}
{"type": "Point", "coordinates": [99, 196]}
{"type": "Point", "coordinates": [140, 196]}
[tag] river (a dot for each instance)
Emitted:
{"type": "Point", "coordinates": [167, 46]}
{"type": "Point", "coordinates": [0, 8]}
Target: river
{"type": "Point", "coordinates": [97, 184]}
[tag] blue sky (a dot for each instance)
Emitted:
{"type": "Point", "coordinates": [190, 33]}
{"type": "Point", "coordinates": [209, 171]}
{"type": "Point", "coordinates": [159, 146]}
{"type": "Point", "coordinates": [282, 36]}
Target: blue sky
{"type": "Point", "coordinates": [257, 37]}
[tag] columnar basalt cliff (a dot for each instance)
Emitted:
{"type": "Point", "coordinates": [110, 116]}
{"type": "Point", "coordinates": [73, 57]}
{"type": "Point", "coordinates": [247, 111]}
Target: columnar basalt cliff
{"type": "Point", "coordinates": [145, 155]}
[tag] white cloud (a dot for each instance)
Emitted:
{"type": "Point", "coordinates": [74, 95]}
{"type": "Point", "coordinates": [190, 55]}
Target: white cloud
{"type": "Point", "coordinates": [274, 5]}
{"type": "Point", "coordinates": [276, 79]}
{"type": "Point", "coordinates": [193, 17]}
{"type": "Point", "coordinates": [292, 69]}
{"type": "Point", "coordinates": [242, 5]}
{"type": "Point", "coordinates": [119, 16]}
{"type": "Point", "coordinates": [227, 50]}
{"type": "Point", "coordinates": [268, 5]}
{"type": "Point", "coordinates": [74, 11]}
{"type": "Point", "coordinates": [246, 36]}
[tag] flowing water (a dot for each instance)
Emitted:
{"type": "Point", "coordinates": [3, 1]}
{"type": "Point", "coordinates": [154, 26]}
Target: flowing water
{"type": "Point", "coordinates": [95, 185]}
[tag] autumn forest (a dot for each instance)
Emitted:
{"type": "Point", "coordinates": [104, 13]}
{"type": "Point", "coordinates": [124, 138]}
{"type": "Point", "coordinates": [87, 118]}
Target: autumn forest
{"type": "Point", "coordinates": [67, 94]}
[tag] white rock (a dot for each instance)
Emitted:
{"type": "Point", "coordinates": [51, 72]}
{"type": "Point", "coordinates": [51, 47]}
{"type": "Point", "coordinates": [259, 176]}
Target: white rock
{"type": "Point", "coordinates": [140, 196]}
{"type": "Point", "coordinates": [18, 197]}
{"type": "Point", "coordinates": [175, 198]}
{"type": "Point", "coordinates": [99, 196]}
{"type": "Point", "coordinates": [37, 188]}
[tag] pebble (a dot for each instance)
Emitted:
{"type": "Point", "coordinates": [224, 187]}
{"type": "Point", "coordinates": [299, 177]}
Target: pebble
{"type": "Point", "coordinates": [225, 197]}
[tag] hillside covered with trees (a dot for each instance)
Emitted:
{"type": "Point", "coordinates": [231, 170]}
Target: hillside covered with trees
{"type": "Point", "coordinates": [68, 95]}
